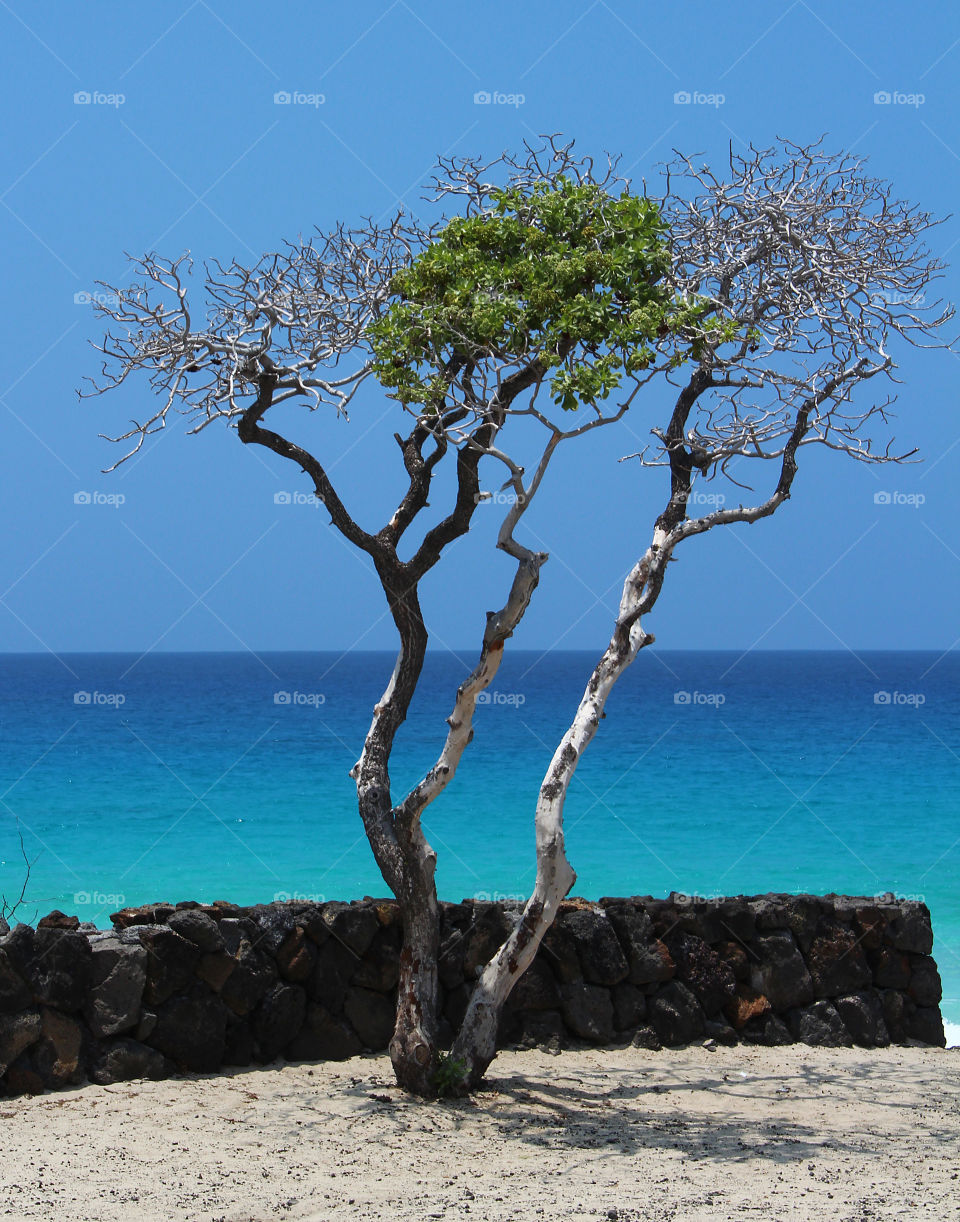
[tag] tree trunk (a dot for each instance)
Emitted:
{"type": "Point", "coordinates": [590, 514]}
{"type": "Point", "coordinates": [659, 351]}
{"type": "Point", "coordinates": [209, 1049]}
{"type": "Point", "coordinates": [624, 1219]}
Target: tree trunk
{"type": "Point", "coordinates": [413, 1048]}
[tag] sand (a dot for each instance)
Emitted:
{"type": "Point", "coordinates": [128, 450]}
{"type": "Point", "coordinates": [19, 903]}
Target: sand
{"type": "Point", "coordinates": [752, 1133]}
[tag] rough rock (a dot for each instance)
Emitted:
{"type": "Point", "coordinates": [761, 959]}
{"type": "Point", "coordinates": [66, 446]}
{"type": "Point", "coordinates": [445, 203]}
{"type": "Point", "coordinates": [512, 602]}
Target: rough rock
{"type": "Point", "coordinates": [171, 961]}
{"type": "Point", "coordinates": [123, 1059]}
{"type": "Point", "coordinates": [701, 969]}
{"type": "Point", "coordinates": [197, 928]}
{"type": "Point", "coordinates": [56, 1055]}
{"type": "Point", "coordinates": [190, 1031]}
{"type": "Point", "coordinates": [836, 961]}
{"type": "Point", "coordinates": [17, 1033]}
{"type": "Point", "coordinates": [675, 1014]}
{"type": "Point", "coordinates": [601, 959]}
{"type": "Point", "coordinates": [925, 987]}
{"type": "Point", "coordinates": [912, 930]}
{"type": "Point", "coordinates": [746, 1004]}
{"type": "Point", "coordinates": [118, 976]}
{"type": "Point", "coordinates": [819, 1025]}
{"type": "Point", "coordinates": [15, 994]}
{"type": "Point", "coordinates": [629, 1006]}
{"type": "Point", "coordinates": [588, 1011]}
{"type": "Point", "coordinates": [253, 975]}
{"type": "Point", "coordinates": [278, 1018]}
{"type": "Point", "coordinates": [862, 1015]}
{"type": "Point", "coordinates": [297, 956]}
{"type": "Point", "coordinates": [54, 962]}
{"type": "Point", "coordinates": [779, 972]}
{"type": "Point", "coordinates": [324, 1038]}
{"type": "Point", "coordinates": [371, 1015]}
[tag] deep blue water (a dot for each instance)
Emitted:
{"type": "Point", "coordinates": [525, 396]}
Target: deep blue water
{"type": "Point", "coordinates": [781, 772]}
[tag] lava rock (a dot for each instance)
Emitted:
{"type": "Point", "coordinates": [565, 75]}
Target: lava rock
{"type": "Point", "coordinates": [297, 956]}
{"type": "Point", "coordinates": [17, 1033]}
{"type": "Point", "coordinates": [891, 968]}
{"type": "Point", "coordinates": [701, 969]}
{"type": "Point", "coordinates": [862, 1015]}
{"type": "Point", "coordinates": [124, 1059]}
{"type": "Point", "coordinates": [675, 1014]}
{"type": "Point", "coordinates": [646, 1037]}
{"type": "Point", "coordinates": [118, 976]}
{"type": "Point", "coordinates": [925, 987]}
{"type": "Point", "coordinates": [372, 1016]}
{"type": "Point", "coordinates": [331, 977]}
{"type": "Point", "coordinates": [216, 969]}
{"type": "Point", "coordinates": [197, 928]}
{"type": "Point", "coordinates": [601, 959]}
{"type": "Point", "coordinates": [629, 1006]}
{"type": "Point", "coordinates": [323, 1038]}
{"type": "Point", "coordinates": [779, 972]}
{"type": "Point", "coordinates": [380, 968]}
{"type": "Point", "coordinates": [768, 1030]}
{"type": "Point", "coordinates": [171, 962]}
{"type": "Point", "coordinates": [191, 1031]}
{"type": "Point", "coordinates": [836, 962]}
{"type": "Point", "coordinates": [353, 925]}
{"type": "Point", "coordinates": [925, 1024]}
{"type": "Point", "coordinates": [56, 1055]}
{"type": "Point", "coordinates": [536, 989]}
{"type": "Point", "coordinates": [15, 994]}
{"type": "Point", "coordinates": [588, 1011]}
{"type": "Point", "coordinates": [54, 962]}
{"type": "Point", "coordinates": [819, 1025]}
{"type": "Point", "coordinates": [253, 975]}
{"type": "Point", "coordinates": [745, 1005]}
{"type": "Point", "coordinates": [58, 920]}
{"type": "Point", "coordinates": [278, 1018]}
{"type": "Point", "coordinates": [912, 930]}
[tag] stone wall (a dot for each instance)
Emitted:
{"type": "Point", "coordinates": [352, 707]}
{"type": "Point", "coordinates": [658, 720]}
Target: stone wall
{"type": "Point", "coordinates": [192, 987]}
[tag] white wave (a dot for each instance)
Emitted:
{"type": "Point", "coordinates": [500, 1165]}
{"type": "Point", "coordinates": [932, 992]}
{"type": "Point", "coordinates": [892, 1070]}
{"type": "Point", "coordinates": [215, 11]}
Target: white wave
{"type": "Point", "coordinates": [952, 1032]}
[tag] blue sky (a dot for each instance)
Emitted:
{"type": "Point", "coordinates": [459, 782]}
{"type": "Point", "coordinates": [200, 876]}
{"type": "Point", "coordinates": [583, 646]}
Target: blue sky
{"type": "Point", "coordinates": [183, 147]}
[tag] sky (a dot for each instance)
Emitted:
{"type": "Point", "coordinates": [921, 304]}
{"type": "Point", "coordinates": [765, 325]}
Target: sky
{"type": "Point", "coordinates": [130, 128]}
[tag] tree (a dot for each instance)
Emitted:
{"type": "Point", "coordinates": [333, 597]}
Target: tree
{"type": "Point", "coordinates": [762, 300]}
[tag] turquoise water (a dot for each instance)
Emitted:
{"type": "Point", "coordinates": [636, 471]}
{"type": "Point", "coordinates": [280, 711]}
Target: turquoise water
{"type": "Point", "coordinates": [182, 777]}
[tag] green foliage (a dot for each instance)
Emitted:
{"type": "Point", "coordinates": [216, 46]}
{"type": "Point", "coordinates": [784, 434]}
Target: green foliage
{"type": "Point", "coordinates": [563, 272]}
{"type": "Point", "coordinates": [449, 1076]}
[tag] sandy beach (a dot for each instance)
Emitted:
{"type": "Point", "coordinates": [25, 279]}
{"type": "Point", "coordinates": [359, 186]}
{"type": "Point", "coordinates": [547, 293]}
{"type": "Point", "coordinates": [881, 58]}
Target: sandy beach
{"type": "Point", "coordinates": [625, 1135]}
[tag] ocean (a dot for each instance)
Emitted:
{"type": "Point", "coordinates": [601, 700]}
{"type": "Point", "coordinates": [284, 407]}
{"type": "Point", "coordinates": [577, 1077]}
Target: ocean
{"type": "Point", "coordinates": [225, 776]}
